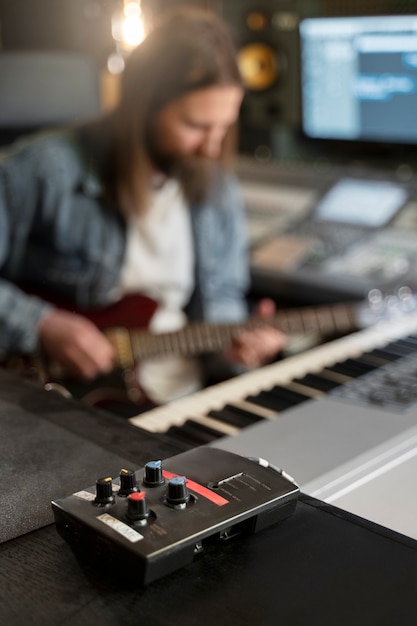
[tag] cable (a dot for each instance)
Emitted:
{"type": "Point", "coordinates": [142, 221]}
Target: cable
{"type": "Point", "coordinates": [278, 470]}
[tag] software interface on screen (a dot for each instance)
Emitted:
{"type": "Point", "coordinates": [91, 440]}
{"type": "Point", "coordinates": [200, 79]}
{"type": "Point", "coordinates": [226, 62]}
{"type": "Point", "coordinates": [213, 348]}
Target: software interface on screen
{"type": "Point", "coordinates": [368, 203]}
{"type": "Point", "coordinates": [359, 78]}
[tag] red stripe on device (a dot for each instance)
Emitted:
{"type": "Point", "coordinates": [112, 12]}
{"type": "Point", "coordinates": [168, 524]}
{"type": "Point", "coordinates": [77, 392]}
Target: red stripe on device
{"type": "Point", "coordinates": [202, 491]}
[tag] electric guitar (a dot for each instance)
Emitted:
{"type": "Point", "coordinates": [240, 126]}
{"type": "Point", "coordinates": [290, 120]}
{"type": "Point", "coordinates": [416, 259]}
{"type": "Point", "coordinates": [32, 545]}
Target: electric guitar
{"type": "Point", "coordinates": [125, 325]}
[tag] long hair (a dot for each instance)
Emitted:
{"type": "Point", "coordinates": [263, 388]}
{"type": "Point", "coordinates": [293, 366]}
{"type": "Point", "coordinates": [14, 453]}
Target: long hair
{"type": "Point", "coordinates": [189, 49]}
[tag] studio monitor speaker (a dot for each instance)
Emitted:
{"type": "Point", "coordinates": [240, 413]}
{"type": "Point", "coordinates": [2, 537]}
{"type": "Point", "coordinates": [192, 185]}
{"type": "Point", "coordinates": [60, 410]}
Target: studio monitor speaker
{"type": "Point", "coordinates": [268, 53]}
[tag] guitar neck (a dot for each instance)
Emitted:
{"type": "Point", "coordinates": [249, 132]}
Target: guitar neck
{"type": "Point", "coordinates": [199, 338]}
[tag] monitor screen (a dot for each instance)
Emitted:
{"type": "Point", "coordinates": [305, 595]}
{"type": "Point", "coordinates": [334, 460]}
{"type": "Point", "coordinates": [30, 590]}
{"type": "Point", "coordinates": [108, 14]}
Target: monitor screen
{"type": "Point", "coordinates": [359, 78]}
{"type": "Point", "coordinates": [368, 203]}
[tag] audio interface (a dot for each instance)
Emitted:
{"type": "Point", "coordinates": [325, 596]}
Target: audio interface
{"type": "Point", "coordinates": [150, 522]}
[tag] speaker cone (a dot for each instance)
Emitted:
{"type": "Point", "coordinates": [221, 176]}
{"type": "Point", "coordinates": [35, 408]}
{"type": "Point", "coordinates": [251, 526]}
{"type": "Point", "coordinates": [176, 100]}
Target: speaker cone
{"type": "Point", "coordinates": [259, 66]}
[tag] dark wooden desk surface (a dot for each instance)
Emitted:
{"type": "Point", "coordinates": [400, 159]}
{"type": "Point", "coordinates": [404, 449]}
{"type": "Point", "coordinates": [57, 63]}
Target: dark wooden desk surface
{"type": "Point", "coordinates": [320, 566]}
{"type": "Point", "coordinates": [313, 569]}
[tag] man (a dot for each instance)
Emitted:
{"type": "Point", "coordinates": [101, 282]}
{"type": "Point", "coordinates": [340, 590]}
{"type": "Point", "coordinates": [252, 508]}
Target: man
{"type": "Point", "coordinates": [138, 201]}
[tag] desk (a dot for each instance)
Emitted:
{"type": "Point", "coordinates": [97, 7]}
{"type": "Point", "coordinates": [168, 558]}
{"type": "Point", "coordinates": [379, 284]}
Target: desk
{"type": "Point", "coordinates": [320, 566]}
{"type": "Point", "coordinates": [313, 569]}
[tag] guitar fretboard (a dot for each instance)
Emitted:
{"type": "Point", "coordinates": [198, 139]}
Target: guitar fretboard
{"type": "Point", "coordinates": [198, 338]}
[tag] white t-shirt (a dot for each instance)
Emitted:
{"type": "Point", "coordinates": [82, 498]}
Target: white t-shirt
{"type": "Point", "coordinates": [159, 263]}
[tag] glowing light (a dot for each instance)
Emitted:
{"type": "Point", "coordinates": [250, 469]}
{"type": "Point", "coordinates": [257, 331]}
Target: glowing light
{"type": "Point", "coordinates": [115, 63]}
{"type": "Point", "coordinates": [132, 30]}
{"type": "Point", "coordinates": [132, 8]}
{"type": "Point", "coordinates": [127, 25]}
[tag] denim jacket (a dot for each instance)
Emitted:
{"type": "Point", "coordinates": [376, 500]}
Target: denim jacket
{"type": "Point", "coordinates": [58, 236]}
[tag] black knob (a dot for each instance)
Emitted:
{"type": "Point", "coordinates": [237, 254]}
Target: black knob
{"type": "Point", "coordinates": [137, 506]}
{"type": "Point", "coordinates": [177, 493]}
{"type": "Point", "coordinates": [104, 490]}
{"type": "Point", "coordinates": [153, 474]}
{"type": "Point", "coordinates": [128, 482]}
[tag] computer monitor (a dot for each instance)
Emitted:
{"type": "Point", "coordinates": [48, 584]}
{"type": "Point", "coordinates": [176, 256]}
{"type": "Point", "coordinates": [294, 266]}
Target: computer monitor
{"type": "Point", "coordinates": [359, 78]}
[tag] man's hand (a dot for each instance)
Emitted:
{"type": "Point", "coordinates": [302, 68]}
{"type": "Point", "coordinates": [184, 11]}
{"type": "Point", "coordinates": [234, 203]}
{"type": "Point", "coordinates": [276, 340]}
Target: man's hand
{"type": "Point", "coordinates": [253, 348]}
{"type": "Point", "coordinates": [76, 344]}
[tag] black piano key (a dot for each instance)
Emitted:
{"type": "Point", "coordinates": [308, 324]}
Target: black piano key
{"type": "Point", "coordinates": [195, 432]}
{"type": "Point", "coordinates": [410, 339]}
{"type": "Point", "coordinates": [395, 349]}
{"type": "Point", "coordinates": [374, 359]}
{"type": "Point", "coordinates": [178, 434]}
{"type": "Point", "coordinates": [235, 416]}
{"type": "Point", "coordinates": [348, 368]}
{"type": "Point", "coordinates": [315, 381]}
{"type": "Point", "coordinates": [408, 344]}
{"type": "Point", "coordinates": [268, 400]}
{"type": "Point", "coordinates": [292, 397]}
{"type": "Point", "coordinates": [385, 354]}
{"type": "Point", "coordinates": [399, 348]}
{"type": "Point", "coordinates": [359, 365]}
{"type": "Point", "coordinates": [366, 364]}
{"type": "Point", "coordinates": [277, 398]}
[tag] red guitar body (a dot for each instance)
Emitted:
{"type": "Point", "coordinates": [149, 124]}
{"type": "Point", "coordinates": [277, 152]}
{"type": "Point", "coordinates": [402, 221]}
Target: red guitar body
{"type": "Point", "coordinates": [120, 391]}
{"type": "Point", "coordinates": [133, 311]}
{"type": "Point", "coordinates": [117, 392]}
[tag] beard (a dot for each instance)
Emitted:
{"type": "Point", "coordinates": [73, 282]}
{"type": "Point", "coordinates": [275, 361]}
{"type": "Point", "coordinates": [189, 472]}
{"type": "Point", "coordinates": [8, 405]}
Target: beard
{"type": "Point", "coordinates": [193, 172]}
